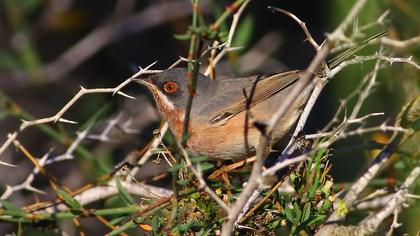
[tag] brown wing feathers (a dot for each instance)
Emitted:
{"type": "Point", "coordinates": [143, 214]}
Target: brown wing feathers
{"type": "Point", "coordinates": [265, 88]}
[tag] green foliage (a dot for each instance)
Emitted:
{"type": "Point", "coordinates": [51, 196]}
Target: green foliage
{"type": "Point", "coordinates": [10, 209]}
{"type": "Point", "coordinates": [123, 193]}
{"type": "Point", "coordinates": [303, 211]}
{"type": "Point", "coordinates": [72, 203]}
{"type": "Point", "coordinates": [313, 201]}
{"type": "Point", "coordinates": [191, 215]}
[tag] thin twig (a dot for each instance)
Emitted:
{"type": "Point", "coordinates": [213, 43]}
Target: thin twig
{"type": "Point", "coordinates": [227, 44]}
{"type": "Point", "coordinates": [376, 56]}
{"type": "Point", "coordinates": [370, 224]}
{"type": "Point", "coordinates": [203, 185]}
{"type": "Point", "coordinates": [302, 24]}
{"type": "Point", "coordinates": [415, 41]}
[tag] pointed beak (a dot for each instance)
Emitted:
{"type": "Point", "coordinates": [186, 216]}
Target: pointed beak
{"type": "Point", "coordinates": [147, 82]}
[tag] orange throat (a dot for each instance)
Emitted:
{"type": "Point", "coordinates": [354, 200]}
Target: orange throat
{"type": "Point", "coordinates": [173, 115]}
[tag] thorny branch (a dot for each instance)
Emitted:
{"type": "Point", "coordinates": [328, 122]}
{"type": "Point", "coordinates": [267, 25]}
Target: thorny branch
{"type": "Point", "coordinates": [401, 44]}
{"type": "Point", "coordinates": [83, 91]}
{"type": "Point", "coordinates": [301, 24]}
{"type": "Point", "coordinates": [104, 191]}
{"type": "Point", "coordinates": [369, 225]}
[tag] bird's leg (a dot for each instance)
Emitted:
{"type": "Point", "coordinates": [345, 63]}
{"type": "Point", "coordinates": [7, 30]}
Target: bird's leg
{"type": "Point", "coordinates": [228, 168]}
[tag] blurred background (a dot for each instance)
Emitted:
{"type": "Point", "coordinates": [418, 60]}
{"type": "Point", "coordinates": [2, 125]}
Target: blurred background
{"type": "Point", "coordinates": [50, 48]}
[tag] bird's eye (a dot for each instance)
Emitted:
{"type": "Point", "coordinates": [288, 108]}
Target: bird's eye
{"type": "Point", "coordinates": [170, 87]}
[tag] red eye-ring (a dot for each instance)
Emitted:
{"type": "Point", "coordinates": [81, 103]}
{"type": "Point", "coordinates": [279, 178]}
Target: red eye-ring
{"type": "Point", "coordinates": [170, 87]}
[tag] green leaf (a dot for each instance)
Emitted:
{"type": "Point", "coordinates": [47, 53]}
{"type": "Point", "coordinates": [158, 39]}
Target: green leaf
{"type": "Point", "coordinates": [8, 205]}
{"type": "Point", "coordinates": [206, 166]}
{"type": "Point", "coordinates": [191, 224]}
{"type": "Point", "coordinates": [122, 228]}
{"type": "Point", "coordinates": [223, 36]}
{"type": "Point", "coordinates": [196, 159]}
{"type": "Point", "coordinates": [297, 211]}
{"type": "Point", "coordinates": [317, 169]}
{"type": "Point", "coordinates": [175, 168]}
{"type": "Point", "coordinates": [182, 36]}
{"type": "Point", "coordinates": [204, 232]}
{"type": "Point", "coordinates": [306, 212]}
{"type": "Point", "coordinates": [12, 209]}
{"type": "Point", "coordinates": [118, 220]}
{"type": "Point", "coordinates": [316, 219]}
{"type": "Point", "coordinates": [183, 182]}
{"type": "Point", "coordinates": [68, 199]}
{"type": "Point", "coordinates": [123, 193]}
{"type": "Point", "coordinates": [326, 206]}
{"type": "Point", "coordinates": [274, 224]}
{"type": "Point", "coordinates": [289, 215]}
{"type": "Point", "coordinates": [155, 224]}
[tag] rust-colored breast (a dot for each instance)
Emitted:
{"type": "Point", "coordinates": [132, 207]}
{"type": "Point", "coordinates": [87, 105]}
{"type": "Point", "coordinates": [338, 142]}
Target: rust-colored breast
{"type": "Point", "coordinates": [173, 115]}
{"type": "Point", "coordinates": [223, 142]}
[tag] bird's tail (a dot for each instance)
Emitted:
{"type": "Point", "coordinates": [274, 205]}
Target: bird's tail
{"type": "Point", "coordinates": [351, 51]}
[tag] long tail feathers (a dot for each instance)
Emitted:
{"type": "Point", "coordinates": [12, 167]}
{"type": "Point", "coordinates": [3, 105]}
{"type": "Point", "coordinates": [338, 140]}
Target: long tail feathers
{"type": "Point", "coordinates": [346, 54]}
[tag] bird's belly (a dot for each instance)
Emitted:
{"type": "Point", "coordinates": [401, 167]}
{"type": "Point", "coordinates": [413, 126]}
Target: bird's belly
{"type": "Point", "coordinates": [224, 142]}
{"type": "Point", "coordinates": [228, 147]}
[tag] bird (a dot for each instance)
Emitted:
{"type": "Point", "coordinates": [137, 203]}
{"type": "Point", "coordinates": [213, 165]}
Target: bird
{"type": "Point", "coordinates": [219, 125]}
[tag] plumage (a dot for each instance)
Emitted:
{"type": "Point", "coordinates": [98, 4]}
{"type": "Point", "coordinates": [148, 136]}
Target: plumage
{"type": "Point", "coordinates": [218, 110]}
{"type": "Point", "coordinates": [217, 120]}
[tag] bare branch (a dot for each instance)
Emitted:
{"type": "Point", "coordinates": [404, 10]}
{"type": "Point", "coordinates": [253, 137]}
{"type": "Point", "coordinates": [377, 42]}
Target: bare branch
{"type": "Point", "coordinates": [302, 24]}
{"type": "Point", "coordinates": [6, 144]}
{"type": "Point", "coordinates": [370, 224]}
{"type": "Point", "coordinates": [376, 56]}
{"type": "Point", "coordinates": [359, 185]}
{"type": "Point", "coordinates": [415, 41]}
{"type": "Point", "coordinates": [27, 183]}
{"type": "Point", "coordinates": [104, 191]}
{"type": "Point", "coordinates": [227, 47]}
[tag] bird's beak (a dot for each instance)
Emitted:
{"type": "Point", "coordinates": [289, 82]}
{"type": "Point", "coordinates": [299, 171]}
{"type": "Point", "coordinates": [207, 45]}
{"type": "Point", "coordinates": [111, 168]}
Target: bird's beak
{"type": "Point", "coordinates": [147, 82]}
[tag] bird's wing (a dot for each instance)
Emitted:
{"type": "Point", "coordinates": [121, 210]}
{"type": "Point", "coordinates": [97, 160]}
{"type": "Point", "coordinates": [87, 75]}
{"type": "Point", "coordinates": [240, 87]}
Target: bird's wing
{"type": "Point", "coordinates": [257, 88]}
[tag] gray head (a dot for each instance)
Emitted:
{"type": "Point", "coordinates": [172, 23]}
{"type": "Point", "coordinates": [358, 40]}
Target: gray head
{"type": "Point", "coordinates": [170, 88]}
